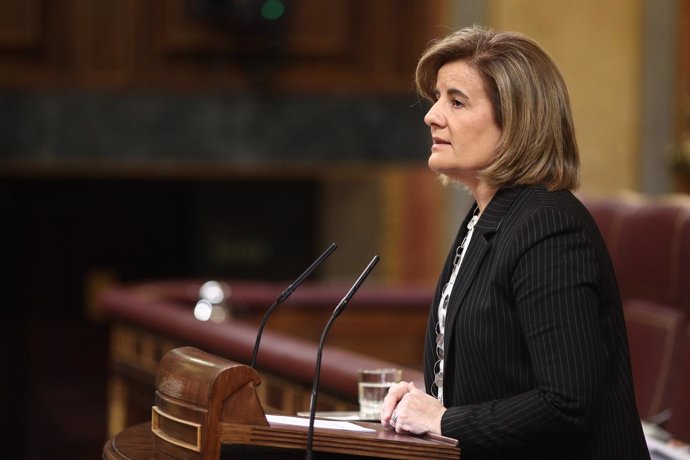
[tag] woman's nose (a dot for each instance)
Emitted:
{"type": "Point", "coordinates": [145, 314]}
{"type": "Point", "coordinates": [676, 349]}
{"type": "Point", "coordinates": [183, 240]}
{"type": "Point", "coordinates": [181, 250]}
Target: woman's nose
{"type": "Point", "coordinates": [433, 116]}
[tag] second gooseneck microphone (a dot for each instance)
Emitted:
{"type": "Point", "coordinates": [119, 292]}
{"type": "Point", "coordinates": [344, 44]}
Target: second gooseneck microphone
{"type": "Point", "coordinates": [317, 371]}
{"type": "Point", "coordinates": [286, 293]}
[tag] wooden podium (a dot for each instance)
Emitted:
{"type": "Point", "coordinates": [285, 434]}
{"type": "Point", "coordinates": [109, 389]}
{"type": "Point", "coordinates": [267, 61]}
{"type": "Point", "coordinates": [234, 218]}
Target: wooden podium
{"type": "Point", "coordinates": [205, 404]}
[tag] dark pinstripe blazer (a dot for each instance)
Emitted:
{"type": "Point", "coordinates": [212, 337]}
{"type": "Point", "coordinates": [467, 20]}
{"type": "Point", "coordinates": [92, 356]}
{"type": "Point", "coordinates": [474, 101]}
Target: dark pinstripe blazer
{"type": "Point", "coordinates": [537, 362]}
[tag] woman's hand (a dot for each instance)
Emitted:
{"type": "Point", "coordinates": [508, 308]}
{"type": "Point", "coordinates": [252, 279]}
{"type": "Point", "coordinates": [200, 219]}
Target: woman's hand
{"type": "Point", "coordinates": [408, 409]}
{"type": "Point", "coordinates": [395, 394]}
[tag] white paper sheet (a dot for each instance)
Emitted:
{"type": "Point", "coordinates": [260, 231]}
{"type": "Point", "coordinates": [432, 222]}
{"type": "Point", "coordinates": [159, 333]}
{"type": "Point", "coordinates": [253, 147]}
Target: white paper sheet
{"type": "Point", "coordinates": [661, 451]}
{"type": "Point", "coordinates": [328, 424]}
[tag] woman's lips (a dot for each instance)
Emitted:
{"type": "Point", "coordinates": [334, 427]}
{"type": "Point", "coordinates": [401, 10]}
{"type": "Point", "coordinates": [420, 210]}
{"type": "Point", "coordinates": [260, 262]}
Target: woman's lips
{"type": "Point", "coordinates": [438, 142]}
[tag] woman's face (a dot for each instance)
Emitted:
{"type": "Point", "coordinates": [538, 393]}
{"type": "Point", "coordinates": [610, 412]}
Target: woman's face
{"type": "Point", "coordinates": [463, 130]}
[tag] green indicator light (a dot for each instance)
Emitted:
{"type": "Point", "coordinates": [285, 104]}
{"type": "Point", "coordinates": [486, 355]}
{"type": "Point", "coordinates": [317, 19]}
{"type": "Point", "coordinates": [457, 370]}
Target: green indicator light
{"type": "Point", "coordinates": [272, 10]}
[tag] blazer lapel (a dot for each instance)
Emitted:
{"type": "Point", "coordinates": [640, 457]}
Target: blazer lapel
{"type": "Point", "coordinates": [480, 244]}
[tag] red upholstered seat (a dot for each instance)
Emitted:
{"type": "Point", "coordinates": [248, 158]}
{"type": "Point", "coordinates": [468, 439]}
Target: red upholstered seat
{"type": "Point", "coordinates": [609, 214]}
{"type": "Point", "coordinates": [684, 256]}
{"type": "Point", "coordinates": [647, 253]}
{"type": "Point", "coordinates": [649, 243]}
{"type": "Point", "coordinates": [679, 423]}
{"type": "Point", "coordinates": [654, 333]}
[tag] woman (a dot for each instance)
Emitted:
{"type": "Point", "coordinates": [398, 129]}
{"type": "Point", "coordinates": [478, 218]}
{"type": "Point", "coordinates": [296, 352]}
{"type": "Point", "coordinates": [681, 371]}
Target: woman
{"type": "Point", "coordinates": [526, 353]}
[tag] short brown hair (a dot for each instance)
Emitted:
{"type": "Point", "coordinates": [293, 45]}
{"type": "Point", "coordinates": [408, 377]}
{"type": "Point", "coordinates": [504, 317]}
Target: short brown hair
{"type": "Point", "coordinates": [530, 104]}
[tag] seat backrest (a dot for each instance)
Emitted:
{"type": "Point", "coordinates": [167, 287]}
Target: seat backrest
{"type": "Point", "coordinates": [679, 423]}
{"type": "Point", "coordinates": [647, 253]}
{"type": "Point", "coordinates": [609, 214]}
{"type": "Point", "coordinates": [649, 243]}
{"type": "Point", "coordinates": [654, 334]}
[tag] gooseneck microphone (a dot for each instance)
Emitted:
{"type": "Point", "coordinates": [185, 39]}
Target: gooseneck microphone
{"type": "Point", "coordinates": [317, 371]}
{"type": "Point", "coordinates": [286, 293]}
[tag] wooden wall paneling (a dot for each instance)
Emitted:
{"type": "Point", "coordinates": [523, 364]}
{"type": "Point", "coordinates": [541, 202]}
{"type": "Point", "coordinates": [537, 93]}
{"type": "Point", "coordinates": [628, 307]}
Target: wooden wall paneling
{"type": "Point", "coordinates": [388, 38]}
{"type": "Point", "coordinates": [76, 43]}
{"type": "Point", "coordinates": [416, 23]}
{"type": "Point", "coordinates": [315, 28]}
{"type": "Point", "coordinates": [20, 24]}
{"type": "Point", "coordinates": [30, 43]}
{"type": "Point", "coordinates": [317, 46]}
{"type": "Point", "coordinates": [683, 86]}
{"type": "Point", "coordinates": [105, 41]}
{"type": "Point", "coordinates": [414, 204]}
{"type": "Point", "coordinates": [318, 38]}
{"type": "Point", "coordinates": [682, 134]}
{"type": "Point", "coordinates": [334, 45]}
{"type": "Point", "coordinates": [321, 29]}
{"type": "Point", "coordinates": [179, 49]}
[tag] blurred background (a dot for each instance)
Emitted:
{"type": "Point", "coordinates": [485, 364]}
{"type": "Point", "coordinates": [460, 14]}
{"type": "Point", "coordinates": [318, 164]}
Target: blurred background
{"type": "Point", "coordinates": [157, 139]}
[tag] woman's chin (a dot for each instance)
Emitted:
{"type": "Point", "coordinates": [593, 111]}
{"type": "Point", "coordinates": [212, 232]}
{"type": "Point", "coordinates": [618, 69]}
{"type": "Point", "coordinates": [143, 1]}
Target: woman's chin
{"type": "Point", "coordinates": [437, 164]}
{"type": "Point", "coordinates": [443, 169]}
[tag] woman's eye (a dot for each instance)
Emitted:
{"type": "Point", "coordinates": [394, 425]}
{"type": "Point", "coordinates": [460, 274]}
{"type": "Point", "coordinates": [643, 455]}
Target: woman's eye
{"type": "Point", "coordinates": [457, 103]}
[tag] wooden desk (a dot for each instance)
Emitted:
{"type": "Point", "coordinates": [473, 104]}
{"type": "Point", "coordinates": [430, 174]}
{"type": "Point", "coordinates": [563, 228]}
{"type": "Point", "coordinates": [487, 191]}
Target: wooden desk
{"type": "Point", "coordinates": [134, 443]}
{"type": "Point", "coordinates": [206, 408]}
{"type": "Point", "coordinates": [137, 443]}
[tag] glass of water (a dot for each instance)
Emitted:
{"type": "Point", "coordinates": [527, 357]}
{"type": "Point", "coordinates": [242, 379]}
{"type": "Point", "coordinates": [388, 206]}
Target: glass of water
{"type": "Point", "coordinates": [373, 388]}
